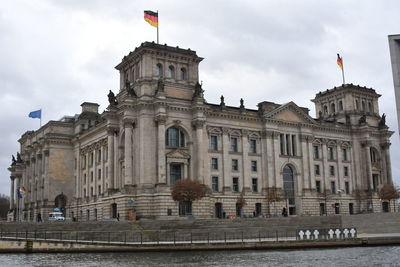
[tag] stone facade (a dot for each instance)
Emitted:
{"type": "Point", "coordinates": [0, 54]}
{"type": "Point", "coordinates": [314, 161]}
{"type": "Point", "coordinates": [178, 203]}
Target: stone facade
{"type": "Point", "coordinates": [159, 128]}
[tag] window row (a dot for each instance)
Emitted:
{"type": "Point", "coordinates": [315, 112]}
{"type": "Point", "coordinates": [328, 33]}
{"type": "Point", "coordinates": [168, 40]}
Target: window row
{"type": "Point", "coordinates": [235, 165]}
{"type": "Point", "coordinates": [90, 159]}
{"type": "Point", "coordinates": [99, 176]}
{"type": "Point", "coordinates": [331, 153]}
{"type": "Point", "coordinates": [317, 170]}
{"type": "Point", "coordinates": [332, 189]}
{"type": "Point", "coordinates": [92, 192]}
{"type": "Point", "coordinates": [183, 75]}
{"type": "Point", "coordinates": [235, 184]}
{"type": "Point", "coordinates": [234, 141]}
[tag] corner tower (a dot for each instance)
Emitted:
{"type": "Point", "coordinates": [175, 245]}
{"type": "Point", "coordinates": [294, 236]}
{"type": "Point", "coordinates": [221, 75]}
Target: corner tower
{"type": "Point", "coordinates": [349, 104]}
{"type": "Point", "coordinates": [152, 66]}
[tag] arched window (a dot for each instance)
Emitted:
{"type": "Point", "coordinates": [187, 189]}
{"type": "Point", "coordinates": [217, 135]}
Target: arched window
{"type": "Point", "coordinates": [171, 72]}
{"type": "Point", "coordinates": [370, 108]}
{"type": "Point", "coordinates": [183, 74]}
{"type": "Point", "coordinates": [159, 70]}
{"type": "Point", "coordinates": [325, 110]}
{"type": "Point", "coordinates": [288, 188]}
{"type": "Point", "coordinates": [340, 105]}
{"type": "Point", "coordinates": [363, 105]}
{"type": "Point", "coordinates": [175, 137]}
{"type": "Point", "coordinates": [357, 107]}
{"type": "Point", "coordinates": [333, 108]}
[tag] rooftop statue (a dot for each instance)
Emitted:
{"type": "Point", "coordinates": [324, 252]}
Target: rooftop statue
{"type": "Point", "coordinates": [112, 99]}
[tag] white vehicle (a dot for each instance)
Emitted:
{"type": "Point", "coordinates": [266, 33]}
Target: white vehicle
{"type": "Point", "coordinates": [56, 216]}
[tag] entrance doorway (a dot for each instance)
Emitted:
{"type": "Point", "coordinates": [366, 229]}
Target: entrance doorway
{"type": "Point", "coordinates": [258, 210]}
{"type": "Point", "coordinates": [385, 206]}
{"type": "Point", "coordinates": [351, 208]}
{"type": "Point", "coordinates": [218, 210]}
{"type": "Point", "coordinates": [114, 210]}
{"type": "Point", "coordinates": [321, 209]}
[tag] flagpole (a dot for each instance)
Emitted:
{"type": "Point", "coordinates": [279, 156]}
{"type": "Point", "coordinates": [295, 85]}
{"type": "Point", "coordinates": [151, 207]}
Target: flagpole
{"type": "Point", "coordinates": [157, 26]}
{"type": "Point", "coordinates": [40, 118]}
{"type": "Point", "coordinates": [343, 71]}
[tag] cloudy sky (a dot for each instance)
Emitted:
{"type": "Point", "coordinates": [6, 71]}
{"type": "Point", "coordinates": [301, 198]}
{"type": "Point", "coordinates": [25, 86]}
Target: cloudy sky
{"type": "Point", "coordinates": [55, 55]}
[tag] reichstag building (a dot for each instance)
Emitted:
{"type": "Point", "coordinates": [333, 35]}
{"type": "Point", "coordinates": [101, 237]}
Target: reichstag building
{"type": "Point", "coordinates": [158, 128]}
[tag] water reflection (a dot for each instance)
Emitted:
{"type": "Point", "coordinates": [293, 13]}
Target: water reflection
{"type": "Point", "coordinates": [360, 256]}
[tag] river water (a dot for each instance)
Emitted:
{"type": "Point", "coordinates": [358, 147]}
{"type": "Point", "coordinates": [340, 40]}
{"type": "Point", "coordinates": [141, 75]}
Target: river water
{"type": "Point", "coordinates": [354, 256]}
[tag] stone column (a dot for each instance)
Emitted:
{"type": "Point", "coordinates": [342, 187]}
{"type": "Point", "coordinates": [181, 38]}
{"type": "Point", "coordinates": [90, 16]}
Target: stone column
{"type": "Point", "coordinates": [340, 171]}
{"type": "Point", "coordinates": [111, 164]}
{"type": "Point", "coordinates": [245, 161]}
{"type": "Point", "coordinates": [12, 193]}
{"type": "Point", "coordinates": [369, 165]}
{"type": "Point", "coordinates": [325, 166]}
{"type": "Point", "coordinates": [305, 162]}
{"type": "Point", "coordinates": [128, 125]}
{"type": "Point", "coordinates": [161, 171]}
{"type": "Point", "coordinates": [264, 160]}
{"type": "Point", "coordinates": [278, 178]}
{"type": "Point", "coordinates": [385, 149]}
{"type": "Point", "coordinates": [227, 179]}
{"type": "Point", "coordinates": [310, 157]}
{"type": "Point", "coordinates": [198, 124]}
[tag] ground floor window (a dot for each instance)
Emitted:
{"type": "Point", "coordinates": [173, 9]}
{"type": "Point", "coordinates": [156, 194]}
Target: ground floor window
{"type": "Point", "coordinates": [351, 208]}
{"type": "Point", "coordinates": [337, 208]}
{"type": "Point", "coordinates": [258, 210]}
{"type": "Point", "coordinates": [321, 209]}
{"type": "Point", "coordinates": [185, 208]}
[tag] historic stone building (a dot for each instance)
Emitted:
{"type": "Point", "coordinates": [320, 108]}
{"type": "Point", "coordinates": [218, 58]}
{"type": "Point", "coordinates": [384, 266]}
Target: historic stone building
{"type": "Point", "coordinates": [159, 128]}
{"type": "Point", "coordinates": [394, 46]}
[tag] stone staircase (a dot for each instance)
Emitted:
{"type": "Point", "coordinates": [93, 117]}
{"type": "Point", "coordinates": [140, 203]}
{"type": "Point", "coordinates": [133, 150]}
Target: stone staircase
{"type": "Point", "coordinates": [365, 223]}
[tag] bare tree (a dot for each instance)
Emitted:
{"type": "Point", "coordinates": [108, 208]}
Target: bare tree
{"type": "Point", "coordinates": [389, 192]}
{"type": "Point", "coordinates": [273, 195]}
{"type": "Point", "coordinates": [359, 195]}
{"type": "Point", "coordinates": [241, 201]}
{"type": "Point", "coordinates": [4, 206]}
{"type": "Point", "coordinates": [326, 195]}
{"type": "Point", "coordinates": [188, 190]}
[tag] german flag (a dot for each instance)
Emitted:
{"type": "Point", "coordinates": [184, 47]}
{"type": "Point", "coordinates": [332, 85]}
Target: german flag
{"type": "Point", "coordinates": [151, 17]}
{"type": "Point", "coordinates": [339, 61]}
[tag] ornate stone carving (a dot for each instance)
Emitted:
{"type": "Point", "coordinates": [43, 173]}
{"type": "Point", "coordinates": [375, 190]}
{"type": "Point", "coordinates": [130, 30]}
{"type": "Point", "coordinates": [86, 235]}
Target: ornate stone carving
{"type": "Point", "coordinates": [198, 124]}
{"type": "Point", "coordinates": [385, 145]}
{"type": "Point", "coordinates": [222, 103]}
{"type": "Point", "coordinates": [13, 160]}
{"type": "Point", "coordinates": [362, 120]}
{"type": "Point", "coordinates": [241, 103]}
{"type": "Point", "coordinates": [198, 91]}
{"type": "Point", "coordinates": [382, 122]}
{"type": "Point", "coordinates": [129, 88]}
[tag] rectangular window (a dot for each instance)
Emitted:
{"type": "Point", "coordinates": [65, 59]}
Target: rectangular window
{"type": "Point", "coordinates": [99, 155]}
{"type": "Point", "coordinates": [99, 174]}
{"type": "Point", "coordinates": [254, 184]}
{"type": "Point", "coordinates": [331, 155]}
{"type": "Point", "coordinates": [215, 185]}
{"type": "Point", "coordinates": [84, 162]}
{"type": "Point", "coordinates": [84, 178]}
{"type": "Point", "coordinates": [234, 144]}
{"type": "Point", "coordinates": [91, 158]}
{"type": "Point", "coordinates": [294, 145]}
{"type": "Point", "coordinates": [99, 190]}
{"type": "Point", "coordinates": [175, 173]}
{"type": "Point", "coordinates": [235, 184]}
{"type": "Point", "coordinates": [347, 187]}
{"type": "Point", "coordinates": [316, 152]}
{"type": "Point", "coordinates": [254, 166]}
{"type": "Point", "coordinates": [346, 171]}
{"type": "Point", "coordinates": [105, 154]}
{"type": "Point", "coordinates": [333, 187]}
{"type": "Point", "coordinates": [91, 191]}
{"type": "Point", "coordinates": [317, 170]}
{"type": "Point", "coordinates": [214, 142]}
{"type": "Point", "coordinates": [318, 186]}
{"type": "Point", "coordinates": [253, 146]}
{"type": "Point", "coordinates": [282, 141]}
{"type": "Point", "coordinates": [235, 166]}
{"type": "Point", "coordinates": [344, 152]}
{"type": "Point", "coordinates": [214, 163]}
{"type": "Point", "coordinates": [91, 176]}
{"type": "Point", "coordinates": [332, 170]}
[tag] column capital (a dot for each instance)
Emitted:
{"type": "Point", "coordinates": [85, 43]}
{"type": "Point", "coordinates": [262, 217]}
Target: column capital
{"type": "Point", "coordinates": [385, 145]}
{"type": "Point", "coordinates": [306, 137]}
{"type": "Point", "coordinates": [112, 130]}
{"type": "Point", "coordinates": [198, 123]}
{"type": "Point", "coordinates": [365, 144]}
{"type": "Point", "coordinates": [225, 130]}
{"type": "Point", "coordinates": [160, 119]}
{"type": "Point", "coordinates": [129, 123]}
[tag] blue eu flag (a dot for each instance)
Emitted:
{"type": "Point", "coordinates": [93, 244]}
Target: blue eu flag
{"type": "Point", "coordinates": [36, 114]}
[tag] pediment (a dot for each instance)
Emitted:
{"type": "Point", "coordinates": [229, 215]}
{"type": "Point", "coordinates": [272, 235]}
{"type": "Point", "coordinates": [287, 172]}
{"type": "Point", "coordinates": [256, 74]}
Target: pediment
{"type": "Point", "coordinates": [290, 112]}
{"type": "Point", "coordinates": [178, 154]}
